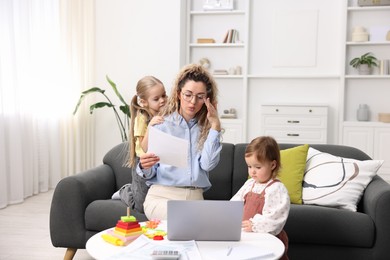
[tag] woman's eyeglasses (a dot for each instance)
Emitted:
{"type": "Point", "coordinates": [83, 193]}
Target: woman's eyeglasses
{"type": "Point", "coordinates": [187, 96]}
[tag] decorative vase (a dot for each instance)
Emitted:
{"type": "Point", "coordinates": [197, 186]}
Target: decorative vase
{"type": "Point", "coordinates": [362, 113]}
{"type": "Point", "coordinates": [364, 69]}
{"type": "Point", "coordinates": [359, 34]}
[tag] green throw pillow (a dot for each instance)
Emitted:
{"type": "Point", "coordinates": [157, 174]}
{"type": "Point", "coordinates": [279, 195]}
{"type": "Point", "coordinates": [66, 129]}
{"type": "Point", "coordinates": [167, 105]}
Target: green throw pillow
{"type": "Point", "coordinates": [293, 162]}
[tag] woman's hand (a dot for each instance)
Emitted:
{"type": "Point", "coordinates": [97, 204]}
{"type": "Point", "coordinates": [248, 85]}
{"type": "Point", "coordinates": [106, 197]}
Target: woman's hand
{"type": "Point", "coordinates": [212, 115]}
{"type": "Point", "coordinates": [247, 226]}
{"type": "Point", "coordinates": [156, 120]}
{"type": "Point", "coordinates": [147, 160]}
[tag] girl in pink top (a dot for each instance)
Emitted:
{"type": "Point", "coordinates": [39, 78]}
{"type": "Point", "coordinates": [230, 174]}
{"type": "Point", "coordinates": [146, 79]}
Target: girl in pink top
{"type": "Point", "coordinates": [266, 199]}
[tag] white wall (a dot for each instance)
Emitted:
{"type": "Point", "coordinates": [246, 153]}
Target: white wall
{"type": "Point", "coordinates": [299, 58]}
{"type": "Point", "coordinates": [133, 39]}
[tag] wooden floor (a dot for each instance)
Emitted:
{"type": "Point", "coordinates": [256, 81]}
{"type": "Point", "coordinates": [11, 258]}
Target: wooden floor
{"type": "Point", "coordinates": [24, 231]}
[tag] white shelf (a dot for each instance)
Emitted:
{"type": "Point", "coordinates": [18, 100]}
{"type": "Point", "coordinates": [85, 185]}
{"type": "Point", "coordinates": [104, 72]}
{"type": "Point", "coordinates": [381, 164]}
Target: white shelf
{"type": "Point", "coordinates": [366, 123]}
{"type": "Point", "coordinates": [233, 12]}
{"type": "Point", "coordinates": [228, 76]}
{"type": "Point", "coordinates": [367, 76]}
{"type": "Point", "coordinates": [368, 8]}
{"type": "Point", "coordinates": [231, 120]}
{"type": "Point", "coordinates": [330, 76]}
{"type": "Point", "coordinates": [216, 45]}
{"type": "Point", "coordinates": [368, 43]}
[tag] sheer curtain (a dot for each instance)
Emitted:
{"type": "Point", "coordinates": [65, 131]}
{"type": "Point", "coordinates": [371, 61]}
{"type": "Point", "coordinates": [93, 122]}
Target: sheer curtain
{"type": "Point", "coordinates": [46, 50]}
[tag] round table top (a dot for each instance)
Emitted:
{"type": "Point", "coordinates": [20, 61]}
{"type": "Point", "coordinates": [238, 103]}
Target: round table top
{"type": "Point", "coordinates": [272, 247]}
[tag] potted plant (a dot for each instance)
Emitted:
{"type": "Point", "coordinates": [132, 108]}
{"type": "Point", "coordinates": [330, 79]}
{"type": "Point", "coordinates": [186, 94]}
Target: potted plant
{"type": "Point", "coordinates": [364, 63]}
{"type": "Point", "coordinates": [123, 122]}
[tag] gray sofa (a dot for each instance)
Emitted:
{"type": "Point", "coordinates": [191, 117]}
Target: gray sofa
{"type": "Point", "coordinates": [81, 207]}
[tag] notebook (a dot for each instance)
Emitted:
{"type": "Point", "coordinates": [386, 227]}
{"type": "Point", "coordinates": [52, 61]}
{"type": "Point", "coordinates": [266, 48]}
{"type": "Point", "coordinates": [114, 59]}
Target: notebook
{"type": "Point", "coordinates": [204, 220]}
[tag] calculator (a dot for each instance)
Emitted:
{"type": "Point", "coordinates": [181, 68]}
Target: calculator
{"type": "Point", "coordinates": [165, 254]}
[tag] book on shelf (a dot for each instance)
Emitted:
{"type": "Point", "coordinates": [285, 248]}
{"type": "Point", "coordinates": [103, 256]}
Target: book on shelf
{"type": "Point", "coordinates": [205, 40]}
{"type": "Point", "coordinates": [220, 72]}
{"type": "Point", "coordinates": [231, 36]}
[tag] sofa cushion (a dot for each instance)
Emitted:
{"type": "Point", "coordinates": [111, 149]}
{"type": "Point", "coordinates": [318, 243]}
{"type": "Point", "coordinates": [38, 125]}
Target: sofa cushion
{"type": "Point", "coordinates": [336, 181]}
{"type": "Point", "coordinates": [240, 168]}
{"type": "Point", "coordinates": [310, 224]}
{"type": "Point", "coordinates": [293, 162]}
{"type": "Point", "coordinates": [221, 176]}
{"type": "Point", "coordinates": [117, 158]}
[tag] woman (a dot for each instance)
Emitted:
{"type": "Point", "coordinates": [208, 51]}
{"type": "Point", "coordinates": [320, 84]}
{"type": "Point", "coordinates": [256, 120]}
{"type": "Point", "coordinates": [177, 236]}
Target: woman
{"type": "Point", "coordinates": [190, 114]}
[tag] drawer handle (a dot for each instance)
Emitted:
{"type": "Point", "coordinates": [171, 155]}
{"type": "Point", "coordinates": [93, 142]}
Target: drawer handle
{"type": "Point", "coordinates": [292, 134]}
{"type": "Point", "coordinates": [293, 121]}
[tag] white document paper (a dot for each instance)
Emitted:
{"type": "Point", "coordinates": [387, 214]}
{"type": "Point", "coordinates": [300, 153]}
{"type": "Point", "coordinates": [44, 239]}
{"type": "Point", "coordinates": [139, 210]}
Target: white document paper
{"type": "Point", "coordinates": [241, 252]}
{"type": "Point", "coordinates": [171, 149]}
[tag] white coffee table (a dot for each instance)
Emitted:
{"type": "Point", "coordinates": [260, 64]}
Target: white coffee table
{"type": "Point", "coordinates": [99, 249]}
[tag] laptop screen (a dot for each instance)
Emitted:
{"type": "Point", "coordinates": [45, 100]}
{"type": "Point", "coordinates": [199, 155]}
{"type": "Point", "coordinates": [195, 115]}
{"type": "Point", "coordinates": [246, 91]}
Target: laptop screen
{"type": "Point", "coordinates": [204, 220]}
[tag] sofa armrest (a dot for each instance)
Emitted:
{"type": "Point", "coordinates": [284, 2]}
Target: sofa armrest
{"type": "Point", "coordinates": [376, 203]}
{"type": "Point", "coordinates": [71, 197]}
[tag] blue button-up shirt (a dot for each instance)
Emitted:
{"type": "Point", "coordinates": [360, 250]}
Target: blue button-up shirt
{"type": "Point", "coordinates": [200, 162]}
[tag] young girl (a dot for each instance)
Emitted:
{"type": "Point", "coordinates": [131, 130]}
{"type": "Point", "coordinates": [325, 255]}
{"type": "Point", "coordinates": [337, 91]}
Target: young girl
{"type": "Point", "coordinates": [190, 114]}
{"type": "Point", "coordinates": [266, 199]}
{"type": "Point", "coordinates": [144, 107]}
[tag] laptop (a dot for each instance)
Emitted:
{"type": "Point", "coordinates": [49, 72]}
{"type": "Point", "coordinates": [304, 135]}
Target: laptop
{"type": "Point", "coordinates": [204, 220]}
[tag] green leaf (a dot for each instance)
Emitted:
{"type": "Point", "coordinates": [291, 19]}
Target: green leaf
{"type": "Point", "coordinates": [367, 58]}
{"type": "Point", "coordinates": [93, 90]}
{"type": "Point", "coordinates": [85, 93]}
{"type": "Point", "coordinates": [78, 104]}
{"type": "Point", "coordinates": [354, 62]}
{"type": "Point", "coordinates": [99, 105]}
{"type": "Point", "coordinates": [122, 124]}
{"type": "Point", "coordinates": [125, 109]}
{"type": "Point", "coordinates": [113, 85]}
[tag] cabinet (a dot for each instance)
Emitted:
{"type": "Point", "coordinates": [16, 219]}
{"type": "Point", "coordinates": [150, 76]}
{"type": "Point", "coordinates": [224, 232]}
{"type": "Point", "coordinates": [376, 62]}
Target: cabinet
{"type": "Point", "coordinates": [295, 123]}
{"type": "Point", "coordinates": [232, 131]}
{"type": "Point", "coordinates": [373, 139]}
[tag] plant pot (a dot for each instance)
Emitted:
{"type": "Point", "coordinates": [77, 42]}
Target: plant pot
{"type": "Point", "coordinates": [364, 69]}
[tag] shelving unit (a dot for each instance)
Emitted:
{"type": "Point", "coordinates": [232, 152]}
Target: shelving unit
{"type": "Point", "coordinates": [232, 87]}
{"type": "Point", "coordinates": [286, 57]}
{"type": "Point", "coordinates": [368, 17]}
{"type": "Point", "coordinates": [300, 64]}
{"type": "Point", "coordinates": [372, 136]}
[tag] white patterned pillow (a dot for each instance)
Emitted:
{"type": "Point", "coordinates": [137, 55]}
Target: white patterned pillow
{"type": "Point", "coordinates": [335, 181]}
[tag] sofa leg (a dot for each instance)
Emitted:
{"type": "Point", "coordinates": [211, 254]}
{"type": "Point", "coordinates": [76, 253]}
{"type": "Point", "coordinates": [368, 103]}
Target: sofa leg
{"type": "Point", "coordinates": [69, 254]}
